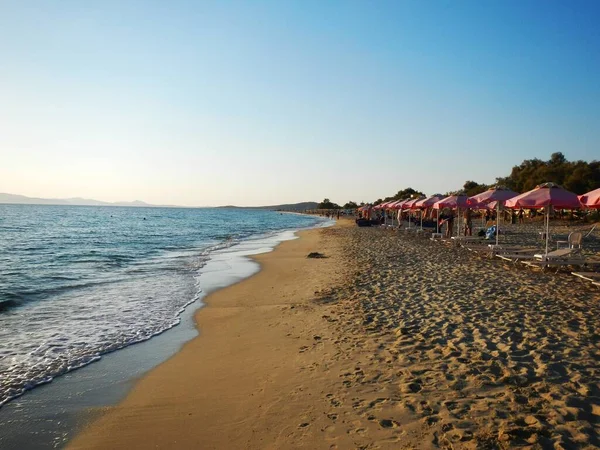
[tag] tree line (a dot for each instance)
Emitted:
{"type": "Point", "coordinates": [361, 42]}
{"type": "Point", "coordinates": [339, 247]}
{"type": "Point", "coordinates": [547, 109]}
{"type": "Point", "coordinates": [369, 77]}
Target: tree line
{"type": "Point", "coordinates": [576, 176]}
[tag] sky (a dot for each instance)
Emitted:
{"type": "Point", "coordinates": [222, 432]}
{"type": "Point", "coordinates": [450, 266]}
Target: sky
{"type": "Point", "coordinates": [199, 103]}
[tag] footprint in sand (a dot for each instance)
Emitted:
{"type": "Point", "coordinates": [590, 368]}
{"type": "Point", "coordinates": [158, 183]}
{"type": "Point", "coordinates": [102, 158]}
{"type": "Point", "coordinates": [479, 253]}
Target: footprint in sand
{"type": "Point", "coordinates": [388, 423]}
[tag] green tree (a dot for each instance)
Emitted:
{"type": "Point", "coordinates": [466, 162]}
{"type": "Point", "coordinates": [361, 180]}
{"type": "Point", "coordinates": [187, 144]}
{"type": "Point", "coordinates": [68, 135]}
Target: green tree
{"type": "Point", "coordinates": [407, 193]}
{"type": "Point", "coordinates": [471, 188]}
{"type": "Point", "coordinates": [350, 205]}
{"type": "Point", "coordinates": [328, 204]}
{"type": "Point", "coordinates": [577, 176]}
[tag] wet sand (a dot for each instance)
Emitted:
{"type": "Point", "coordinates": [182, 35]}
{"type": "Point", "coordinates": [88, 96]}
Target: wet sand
{"type": "Point", "coordinates": [394, 341]}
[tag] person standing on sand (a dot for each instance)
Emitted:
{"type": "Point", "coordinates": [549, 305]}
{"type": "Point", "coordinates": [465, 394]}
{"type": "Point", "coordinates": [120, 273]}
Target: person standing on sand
{"type": "Point", "coordinates": [468, 222]}
{"type": "Point", "coordinates": [521, 216]}
{"type": "Point", "coordinates": [450, 224]}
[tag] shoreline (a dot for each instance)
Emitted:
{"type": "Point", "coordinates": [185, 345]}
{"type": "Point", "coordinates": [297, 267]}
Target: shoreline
{"type": "Point", "coordinates": [52, 413]}
{"type": "Point", "coordinates": [166, 398]}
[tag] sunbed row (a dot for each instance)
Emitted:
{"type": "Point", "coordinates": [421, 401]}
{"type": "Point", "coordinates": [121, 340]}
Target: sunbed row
{"type": "Point", "coordinates": [532, 257]}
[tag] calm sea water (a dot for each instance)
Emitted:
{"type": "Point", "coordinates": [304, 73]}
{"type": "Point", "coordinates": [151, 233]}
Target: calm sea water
{"type": "Point", "coordinates": [77, 282]}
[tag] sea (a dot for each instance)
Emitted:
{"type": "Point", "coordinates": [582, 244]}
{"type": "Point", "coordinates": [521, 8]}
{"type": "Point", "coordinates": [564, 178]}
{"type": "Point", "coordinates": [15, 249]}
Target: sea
{"type": "Point", "coordinates": [78, 282]}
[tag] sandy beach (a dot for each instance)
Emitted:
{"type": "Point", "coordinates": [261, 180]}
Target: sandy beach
{"type": "Point", "coordinates": [391, 341]}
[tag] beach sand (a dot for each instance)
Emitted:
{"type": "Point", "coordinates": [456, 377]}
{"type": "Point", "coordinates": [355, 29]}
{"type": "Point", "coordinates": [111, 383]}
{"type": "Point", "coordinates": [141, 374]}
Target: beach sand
{"type": "Point", "coordinates": [393, 341]}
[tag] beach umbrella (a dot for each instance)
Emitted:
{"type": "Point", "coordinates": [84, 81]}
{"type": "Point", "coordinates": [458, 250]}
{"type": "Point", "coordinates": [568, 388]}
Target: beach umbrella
{"type": "Point", "coordinates": [498, 196]}
{"type": "Point", "coordinates": [544, 196]}
{"type": "Point", "coordinates": [591, 199]}
{"type": "Point", "coordinates": [427, 202]}
{"type": "Point", "coordinates": [452, 202]}
{"type": "Point", "coordinates": [394, 206]}
{"type": "Point", "coordinates": [398, 206]}
{"type": "Point", "coordinates": [410, 205]}
{"type": "Point", "coordinates": [383, 207]}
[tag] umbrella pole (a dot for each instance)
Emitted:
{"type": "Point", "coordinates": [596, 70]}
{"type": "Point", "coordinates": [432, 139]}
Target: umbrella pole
{"type": "Point", "coordinates": [421, 220]}
{"type": "Point", "coordinates": [497, 221]}
{"type": "Point", "coordinates": [437, 223]}
{"type": "Point", "coordinates": [547, 230]}
{"type": "Point", "coordinates": [458, 222]}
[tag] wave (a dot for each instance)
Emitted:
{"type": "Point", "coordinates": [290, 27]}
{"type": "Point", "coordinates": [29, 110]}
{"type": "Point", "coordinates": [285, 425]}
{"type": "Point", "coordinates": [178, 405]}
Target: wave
{"type": "Point", "coordinates": [144, 270]}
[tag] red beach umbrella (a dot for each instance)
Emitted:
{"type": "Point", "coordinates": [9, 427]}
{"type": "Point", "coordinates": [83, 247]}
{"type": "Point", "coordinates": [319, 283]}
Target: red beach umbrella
{"type": "Point", "coordinates": [498, 196]}
{"type": "Point", "coordinates": [413, 203]}
{"type": "Point", "coordinates": [452, 202]}
{"type": "Point", "coordinates": [410, 205]}
{"type": "Point", "coordinates": [547, 194]}
{"type": "Point", "coordinates": [492, 195]}
{"type": "Point", "coordinates": [591, 199]}
{"type": "Point", "coordinates": [400, 204]}
{"type": "Point", "coordinates": [544, 196]}
{"type": "Point", "coordinates": [427, 202]}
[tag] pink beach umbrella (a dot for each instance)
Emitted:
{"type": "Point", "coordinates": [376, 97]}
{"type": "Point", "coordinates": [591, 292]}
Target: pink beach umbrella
{"type": "Point", "coordinates": [544, 196]}
{"type": "Point", "coordinates": [591, 199]}
{"type": "Point", "coordinates": [498, 196]}
{"type": "Point", "coordinates": [383, 207]}
{"type": "Point", "coordinates": [398, 206]}
{"type": "Point", "coordinates": [427, 202]}
{"type": "Point", "coordinates": [410, 205]}
{"type": "Point", "coordinates": [392, 206]}
{"type": "Point", "coordinates": [452, 202]}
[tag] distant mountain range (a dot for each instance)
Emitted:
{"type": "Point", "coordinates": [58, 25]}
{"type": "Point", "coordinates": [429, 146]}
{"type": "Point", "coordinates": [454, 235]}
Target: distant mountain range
{"type": "Point", "coordinates": [78, 201]}
{"type": "Point", "coordinates": [303, 206]}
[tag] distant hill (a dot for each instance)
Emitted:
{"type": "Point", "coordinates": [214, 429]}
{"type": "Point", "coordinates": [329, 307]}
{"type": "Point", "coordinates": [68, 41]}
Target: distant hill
{"type": "Point", "coordinates": [303, 206]}
{"type": "Point", "coordinates": [76, 201]}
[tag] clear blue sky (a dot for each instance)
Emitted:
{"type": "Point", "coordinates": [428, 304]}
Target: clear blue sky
{"type": "Point", "coordinates": [262, 102]}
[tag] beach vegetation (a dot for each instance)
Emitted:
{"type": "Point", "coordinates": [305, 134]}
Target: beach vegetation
{"type": "Point", "coordinates": [328, 204]}
{"type": "Point", "coordinates": [576, 176]}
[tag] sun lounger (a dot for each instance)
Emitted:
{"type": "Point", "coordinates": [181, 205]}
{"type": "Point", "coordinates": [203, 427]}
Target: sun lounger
{"type": "Point", "coordinates": [468, 238]}
{"type": "Point", "coordinates": [558, 263]}
{"type": "Point", "coordinates": [564, 262]}
{"type": "Point", "coordinates": [494, 250]}
{"type": "Point", "coordinates": [594, 277]}
{"type": "Point", "coordinates": [500, 249]}
{"type": "Point", "coordinates": [562, 253]}
{"type": "Point", "coordinates": [515, 257]}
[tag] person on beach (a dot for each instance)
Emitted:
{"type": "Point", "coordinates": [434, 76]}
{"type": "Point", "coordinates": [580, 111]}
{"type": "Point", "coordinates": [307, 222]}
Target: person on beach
{"type": "Point", "coordinates": [450, 224]}
{"type": "Point", "coordinates": [521, 216]}
{"type": "Point", "coordinates": [468, 222]}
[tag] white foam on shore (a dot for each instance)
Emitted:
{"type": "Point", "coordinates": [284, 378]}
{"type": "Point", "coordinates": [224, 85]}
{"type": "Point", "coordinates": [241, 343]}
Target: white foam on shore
{"type": "Point", "coordinates": [78, 327]}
